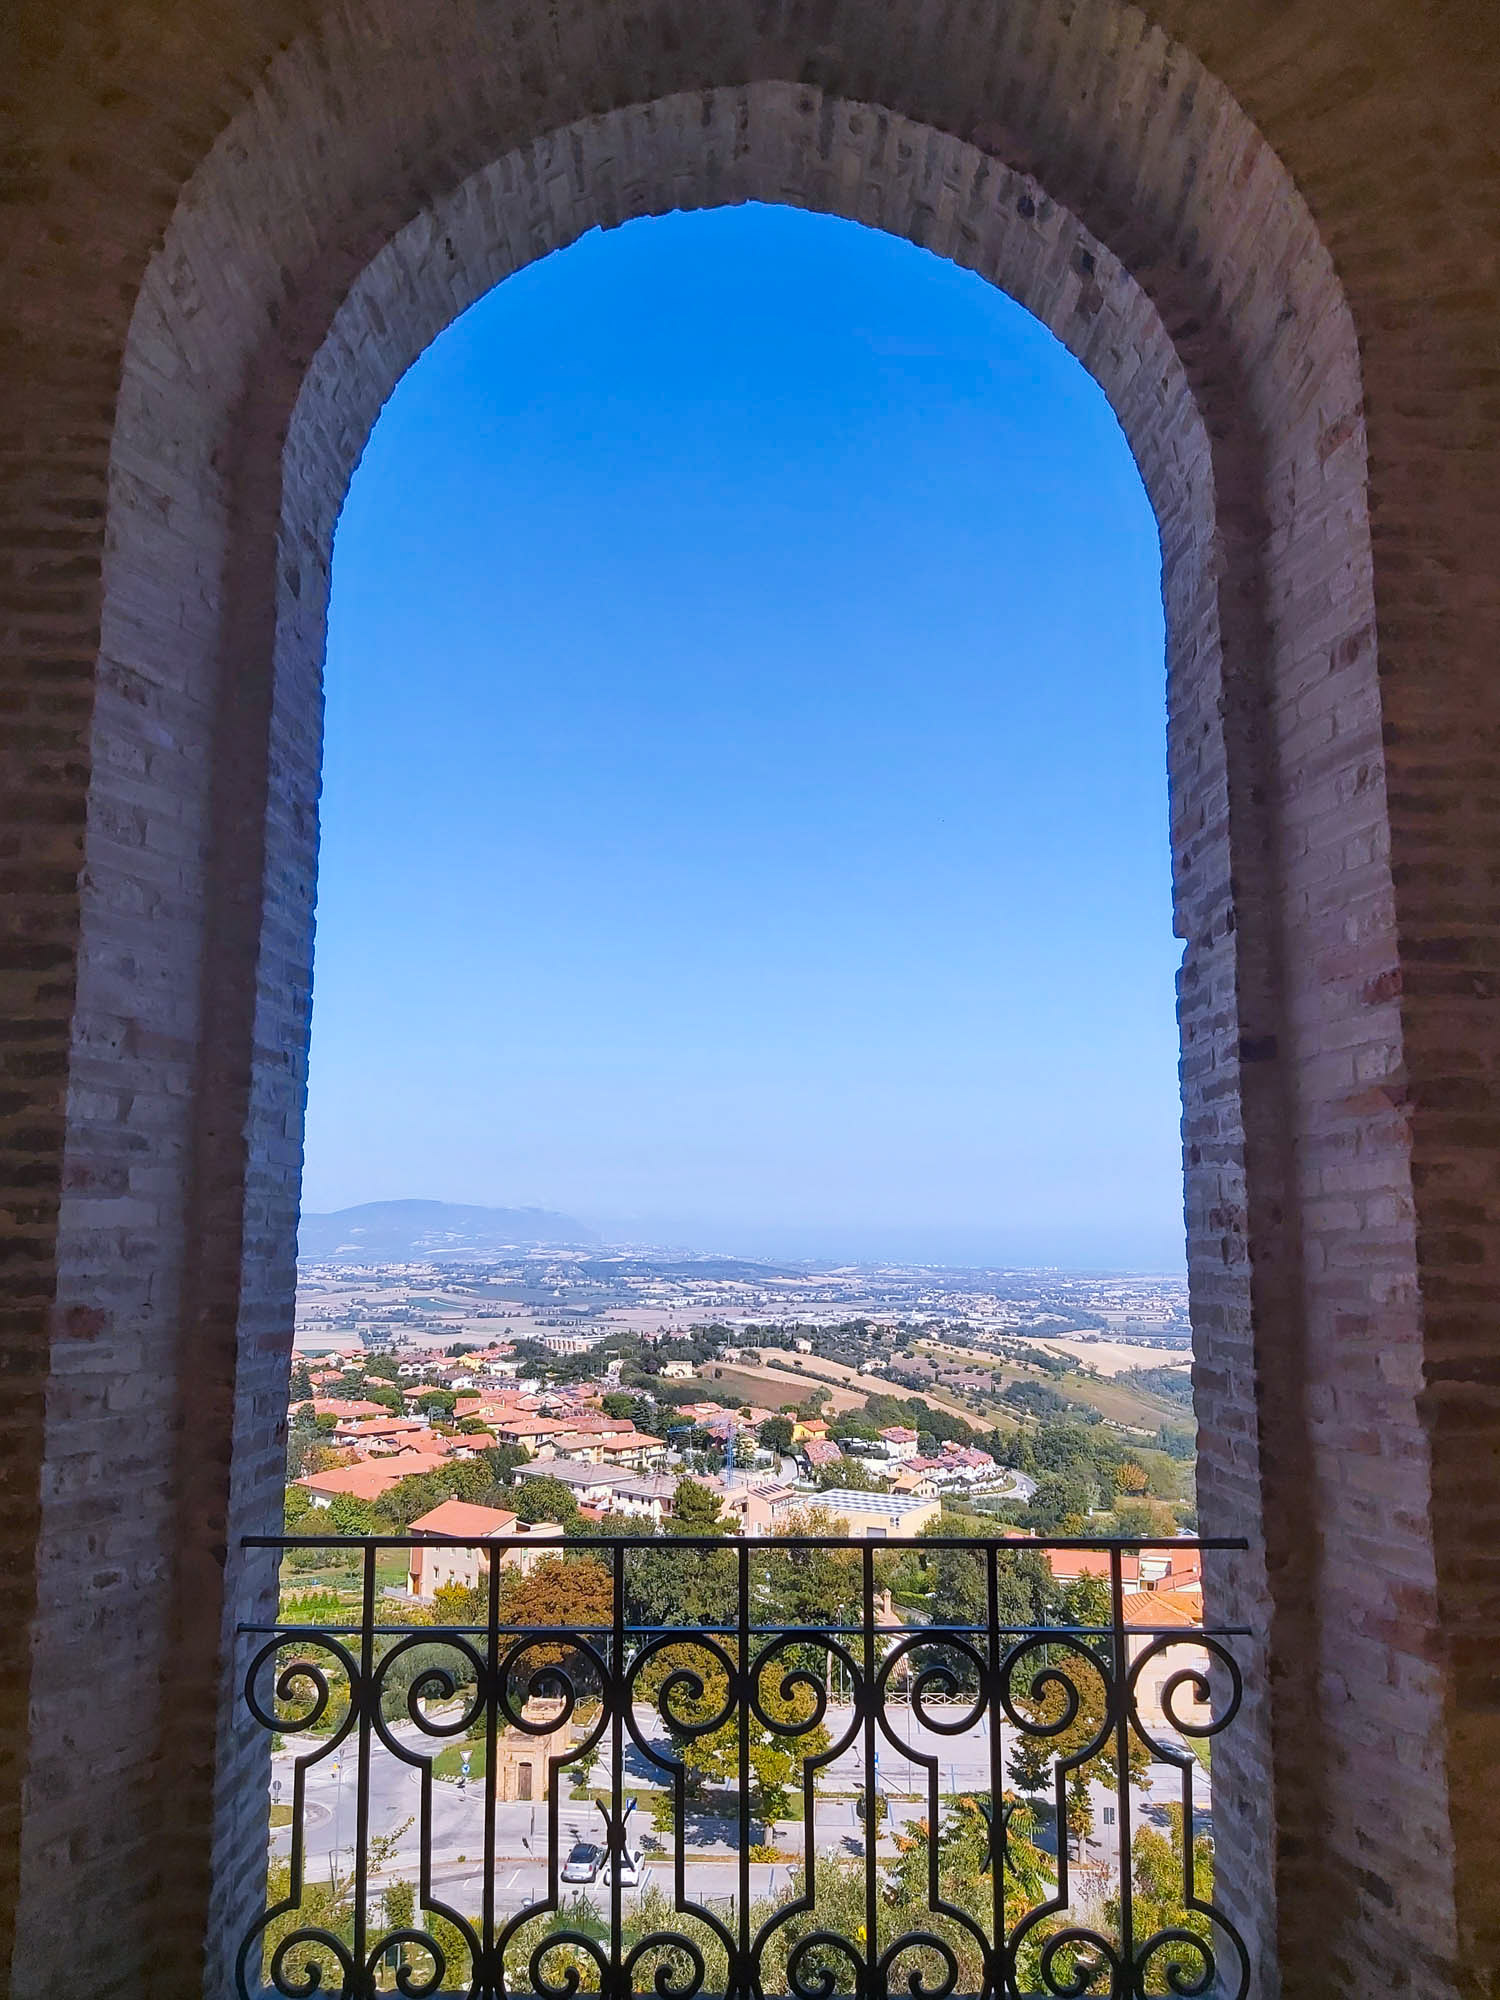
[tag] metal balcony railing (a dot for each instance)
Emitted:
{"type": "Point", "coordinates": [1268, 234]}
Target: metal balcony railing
{"type": "Point", "coordinates": [739, 1767]}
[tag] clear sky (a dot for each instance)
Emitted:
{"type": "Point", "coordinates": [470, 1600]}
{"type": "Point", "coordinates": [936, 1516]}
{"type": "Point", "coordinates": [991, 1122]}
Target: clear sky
{"type": "Point", "coordinates": [745, 814]}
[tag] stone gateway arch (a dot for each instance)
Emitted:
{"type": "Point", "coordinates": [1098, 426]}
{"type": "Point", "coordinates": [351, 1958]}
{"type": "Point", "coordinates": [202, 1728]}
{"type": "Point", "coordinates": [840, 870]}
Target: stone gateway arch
{"type": "Point", "coordinates": [1268, 233]}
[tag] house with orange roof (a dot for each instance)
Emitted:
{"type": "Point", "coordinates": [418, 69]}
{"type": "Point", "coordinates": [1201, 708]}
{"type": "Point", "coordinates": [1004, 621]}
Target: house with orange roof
{"type": "Point", "coordinates": [347, 1409]}
{"type": "Point", "coordinates": [374, 1436]}
{"type": "Point", "coordinates": [490, 1532]}
{"type": "Point", "coordinates": [818, 1452]}
{"type": "Point", "coordinates": [530, 1433]}
{"type": "Point", "coordinates": [367, 1478]}
{"type": "Point", "coordinates": [1164, 1567]}
{"type": "Point", "coordinates": [919, 1484]}
{"type": "Point", "coordinates": [1157, 1655]}
{"type": "Point", "coordinates": [898, 1441]}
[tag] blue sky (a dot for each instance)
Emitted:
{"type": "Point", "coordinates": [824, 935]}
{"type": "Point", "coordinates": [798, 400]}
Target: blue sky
{"type": "Point", "coordinates": [745, 814]}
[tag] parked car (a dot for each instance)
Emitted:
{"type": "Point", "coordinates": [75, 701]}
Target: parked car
{"type": "Point", "coordinates": [582, 1864]}
{"type": "Point", "coordinates": [631, 1867]}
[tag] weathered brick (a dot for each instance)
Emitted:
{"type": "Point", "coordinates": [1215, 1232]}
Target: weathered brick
{"type": "Point", "coordinates": [230, 230]}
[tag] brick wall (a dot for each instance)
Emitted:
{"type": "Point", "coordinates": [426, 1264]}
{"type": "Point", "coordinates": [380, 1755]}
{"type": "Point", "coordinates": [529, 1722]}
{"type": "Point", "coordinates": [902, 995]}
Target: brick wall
{"type": "Point", "coordinates": [237, 227]}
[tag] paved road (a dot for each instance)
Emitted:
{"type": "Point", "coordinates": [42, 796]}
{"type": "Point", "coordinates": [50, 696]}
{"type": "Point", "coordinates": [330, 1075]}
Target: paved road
{"type": "Point", "coordinates": [712, 1867]}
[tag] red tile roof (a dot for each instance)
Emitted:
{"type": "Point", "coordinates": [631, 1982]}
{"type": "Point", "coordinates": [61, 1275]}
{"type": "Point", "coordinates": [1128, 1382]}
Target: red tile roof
{"type": "Point", "coordinates": [462, 1517]}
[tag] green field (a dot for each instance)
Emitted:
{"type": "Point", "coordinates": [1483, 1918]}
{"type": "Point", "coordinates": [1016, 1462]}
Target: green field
{"type": "Point", "coordinates": [1117, 1402]}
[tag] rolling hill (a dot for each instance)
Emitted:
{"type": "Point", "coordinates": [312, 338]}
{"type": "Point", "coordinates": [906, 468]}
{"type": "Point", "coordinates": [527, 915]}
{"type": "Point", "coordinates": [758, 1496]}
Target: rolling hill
{"type": "Point", "coordinates": [398, 1232]}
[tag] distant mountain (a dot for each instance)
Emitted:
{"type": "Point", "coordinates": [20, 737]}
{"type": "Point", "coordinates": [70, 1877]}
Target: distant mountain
{"type": "Point", "coordinates": [400, 1232]}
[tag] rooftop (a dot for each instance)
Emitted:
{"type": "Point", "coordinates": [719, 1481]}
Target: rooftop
{"type": "Point", "coordinates": [462, 1517]}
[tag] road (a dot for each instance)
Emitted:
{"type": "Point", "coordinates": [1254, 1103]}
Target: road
{"type": "Point", "coordinates": [712, 1864]}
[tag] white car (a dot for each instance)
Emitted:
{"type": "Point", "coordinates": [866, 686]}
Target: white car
{"type": "Point", "coordinates": [631, 1869]}
{"type": "Point", "coordinates": [582, 1864]}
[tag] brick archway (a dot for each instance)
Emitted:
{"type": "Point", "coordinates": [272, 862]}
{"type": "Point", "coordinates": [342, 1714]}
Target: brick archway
{"type": "Point", "coordinates": [384, 173]}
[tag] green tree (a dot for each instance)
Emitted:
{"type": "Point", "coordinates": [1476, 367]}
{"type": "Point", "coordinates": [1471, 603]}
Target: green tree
{"type": "Point", "coordinates": [964, 1863]}
{"type": "Point", "coordinates": [1159, 1882]}
{"type": "Point", "coordinates": [775, 1760]}
{"type": "Point", "coordinates": [775, 1434]}
{"type": "Point", "coordinates": [1085, 1603]}
{"type": "Point", "coordinates": [539, 1497]}
{"type": "Point", "coordinates": [347, 1515]}
{"type": "Point", "coordinates": [1062, 1503]}
{"type": "Point", "coordinates": [1145, 1518]}
{"type": "Point", "coordinates": [854, 1474]}
{"type": "Point", "coordinates": [301, 1388]}
{"type": "Point", "coordinates": [471, 1479]}
{"type": "Point", "coordinates": [696, 1510]}
{"type": "Point", "coordinates": [671, 1587]}
{"type": "Point", "coordinates": [303, 1443]}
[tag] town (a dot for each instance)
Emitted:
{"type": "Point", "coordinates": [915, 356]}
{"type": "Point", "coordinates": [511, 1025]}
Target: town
{"type": "Point", "coordinates": [524, 1432]}
{"type": "Point", "coordinates": [599, 1382]}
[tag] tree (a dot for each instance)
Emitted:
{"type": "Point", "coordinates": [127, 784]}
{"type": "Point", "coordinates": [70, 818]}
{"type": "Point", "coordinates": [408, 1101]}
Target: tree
{"type": "Point", "coordinates": [1062, 1503]}
{"type": "Point", "coordinates": [1159, 1881]}
{"type": "Point", "coordinates": [303, 1444]}
{"type": "Point", "coordinates": [296, 1506]}
{"type": "Point", "coordinates": [301, 1383]}
{"type": "Point", "coordinates": [775, 1760]}
{"type": "Point", "coordinates": [350, 1516]}
{"type": "Point", "coordinates": [671, 1587]}
{"type": "Point", "coordinates": [814, 1586]}
{"type": "Point", "coordinates": [959, 1589]}
{"type": "Point", "coordinates": [1145, 1518]}
{"type": "Point", "coordinates": [966, 1848]}
{"type": "Point", "coordinates": [775, 1434]}
{"type": "Point", "coordinates": [563, 1590]}
{"type": "Point", "coordinates": [474, 1479]}
{"type": "Point", "coordinates": [696, 1510]}
{"type": "Point", "coordinates": [437, 1402]}
{"type": "Point", "coordinates": [539, 1497]}
{"type": "Point", "coordinates": [853, 1474]}
{"type": "Point", "coordinates": [628, 1408]}
{"type": "Point", "coordinates": [1085, 1603]}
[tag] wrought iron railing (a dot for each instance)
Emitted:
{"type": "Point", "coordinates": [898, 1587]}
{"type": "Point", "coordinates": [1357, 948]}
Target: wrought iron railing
{"type": "Point", "coordinates": [852, 1798]}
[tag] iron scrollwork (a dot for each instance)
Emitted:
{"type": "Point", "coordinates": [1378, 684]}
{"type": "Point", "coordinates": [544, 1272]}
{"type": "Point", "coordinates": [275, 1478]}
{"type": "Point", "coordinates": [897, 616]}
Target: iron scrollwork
{"type": "Point", "coordinates": [407, 1856]}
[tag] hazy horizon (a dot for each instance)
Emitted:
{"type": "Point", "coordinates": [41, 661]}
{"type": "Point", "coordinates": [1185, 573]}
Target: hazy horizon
{"type": "Point", "coordinates": [804, 1242]}
{"type": "Point", "coordinates": [745, 801]}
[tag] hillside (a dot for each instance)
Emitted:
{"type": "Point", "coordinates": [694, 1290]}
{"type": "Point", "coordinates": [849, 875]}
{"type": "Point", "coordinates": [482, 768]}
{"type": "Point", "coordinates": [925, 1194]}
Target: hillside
{"type": "Point", "coordinates": [399, 1232]}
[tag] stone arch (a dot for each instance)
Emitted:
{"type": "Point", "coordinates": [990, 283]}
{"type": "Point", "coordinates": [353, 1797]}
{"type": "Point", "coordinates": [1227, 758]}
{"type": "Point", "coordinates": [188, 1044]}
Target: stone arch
{"type": "Point", "coordinates": [389, 168]}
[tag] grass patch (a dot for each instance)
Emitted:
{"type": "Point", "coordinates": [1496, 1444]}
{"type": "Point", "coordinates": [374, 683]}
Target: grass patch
{"type": "Point", "coordinates": [449, 1763]}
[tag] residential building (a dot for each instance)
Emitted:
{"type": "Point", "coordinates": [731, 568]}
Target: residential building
{"type": "Point", "coordinates": [1164, 1611]}
{"type": "Point", "coordinates": [367, 1478]}
{"type": "Point", "coordinates": [898, 1442]}
{"type": "Point", "coordinates": [517, 1543]}
{"type": "Point", "coordinates": [874, 1516]}
{"type": "Point", "coordinates": [818, 1452]}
